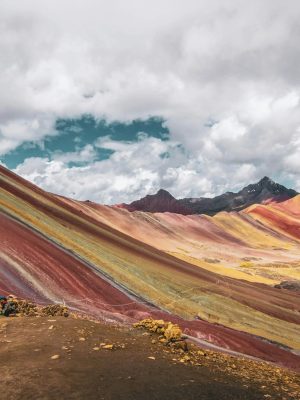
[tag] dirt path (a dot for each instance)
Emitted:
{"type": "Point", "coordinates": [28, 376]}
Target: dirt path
{"type": "Point", "coordinates": [85, 370]}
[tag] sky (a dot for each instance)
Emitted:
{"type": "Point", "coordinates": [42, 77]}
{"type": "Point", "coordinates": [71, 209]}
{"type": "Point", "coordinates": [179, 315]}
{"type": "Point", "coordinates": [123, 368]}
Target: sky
{"type": "Point", "coordinates": [110, 101]}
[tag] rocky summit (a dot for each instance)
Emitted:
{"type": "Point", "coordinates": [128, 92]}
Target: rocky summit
{"type": "Point", "coordinates": [162, 201]}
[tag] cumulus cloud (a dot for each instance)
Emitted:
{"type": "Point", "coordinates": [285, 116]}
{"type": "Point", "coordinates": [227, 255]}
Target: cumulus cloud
{"type": "Point", "coordinates": [133, 170]}
{"type": "Point", "coordinates": [85, 155]}
{"type": "Point", "coordinates": [223, 75]}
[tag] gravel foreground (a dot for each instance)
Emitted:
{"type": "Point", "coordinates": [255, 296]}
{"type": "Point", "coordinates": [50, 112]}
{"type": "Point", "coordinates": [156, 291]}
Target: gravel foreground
{"type": "Point", "coordinates": [45, 358]}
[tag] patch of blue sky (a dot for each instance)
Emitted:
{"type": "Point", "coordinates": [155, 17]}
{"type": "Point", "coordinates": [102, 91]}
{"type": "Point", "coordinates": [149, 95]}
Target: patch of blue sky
{"type": "Point", "coordinates": [74, 134]}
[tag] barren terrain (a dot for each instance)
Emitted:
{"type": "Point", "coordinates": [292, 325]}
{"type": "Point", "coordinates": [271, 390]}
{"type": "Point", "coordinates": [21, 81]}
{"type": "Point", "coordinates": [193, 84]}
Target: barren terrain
{"type": "Point", "coordinates": [65, 358]}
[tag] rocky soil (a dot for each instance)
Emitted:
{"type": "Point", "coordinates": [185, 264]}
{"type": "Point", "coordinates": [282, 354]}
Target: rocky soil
{"type": "Point", "coordinates": [53, 357]}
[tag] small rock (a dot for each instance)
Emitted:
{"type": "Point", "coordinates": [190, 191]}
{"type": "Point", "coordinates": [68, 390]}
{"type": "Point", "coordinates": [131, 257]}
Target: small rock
{"type": "Point", "coordinates": [185, 359]}
{"type": "Point", "coordinates": [108, 347]}
{"type": "Point", "coordinates": [55, 357]}
{"type": "Point", "coordinates": [180, 345]}
{"type": "Point", "coordinates": [151, 358]}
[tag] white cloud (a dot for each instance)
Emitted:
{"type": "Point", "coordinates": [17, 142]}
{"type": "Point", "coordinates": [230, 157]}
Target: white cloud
{"type": "Point", "coordinates": [133, 170]}
{"type": "Point", "coordinates": [85, 155]}
{"type": "Point", "coordinates": [232, 62]}
{"type": "Point", "coordinates": [292, 160]}
{"type": "Point", "coordinates": [16, 131]}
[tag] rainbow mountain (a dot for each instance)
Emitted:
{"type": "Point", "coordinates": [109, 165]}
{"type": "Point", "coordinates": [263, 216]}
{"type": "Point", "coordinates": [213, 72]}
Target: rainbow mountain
{"type": "Point", "coordinates": [214, 275]}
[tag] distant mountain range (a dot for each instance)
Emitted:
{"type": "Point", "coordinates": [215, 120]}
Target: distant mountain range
{"type": "Point", "coordinates": [263, 192]}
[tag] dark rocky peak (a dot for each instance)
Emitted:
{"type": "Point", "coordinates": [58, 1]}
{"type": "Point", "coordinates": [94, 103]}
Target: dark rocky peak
{"type": "Point", "coordinates": [162, 193]}
{"type": "Point", "coordinates": [266, 181]}
{"type": "Point", "coordinates": [267, 184]}
{"type": "Point", "coordinates": [162, 201]}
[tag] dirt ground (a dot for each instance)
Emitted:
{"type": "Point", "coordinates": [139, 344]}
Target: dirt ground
{"type": "Point", "coordinates": [65, 358]}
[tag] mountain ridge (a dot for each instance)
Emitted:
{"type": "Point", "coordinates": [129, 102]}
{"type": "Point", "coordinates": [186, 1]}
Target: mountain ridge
{"type": "Point", "coordinates": [262, 192]}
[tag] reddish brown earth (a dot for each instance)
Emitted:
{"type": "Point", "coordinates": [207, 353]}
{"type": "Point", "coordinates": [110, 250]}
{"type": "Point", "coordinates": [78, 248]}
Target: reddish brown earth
{"type": "Point", "coordinates": [126, 373]}
{"type": "Point", "coordinates": [282, 221]}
